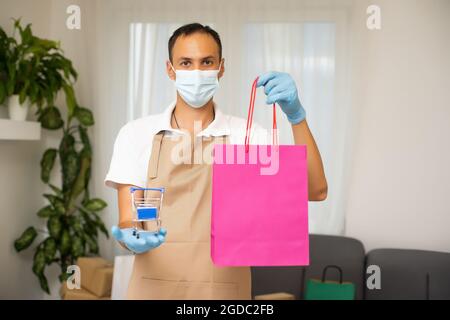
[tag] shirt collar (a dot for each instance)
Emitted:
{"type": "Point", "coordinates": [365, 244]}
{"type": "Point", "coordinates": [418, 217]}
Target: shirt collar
{"type": "Point", "coordinates": [219, 126]}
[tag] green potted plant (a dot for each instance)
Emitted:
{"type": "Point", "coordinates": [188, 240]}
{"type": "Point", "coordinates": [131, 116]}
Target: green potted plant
{"type": "Point", "coordinates": [4, 51]}
{"type": "Point", "coordinates": [36, 69]}
{"type": "Point", "coordinates": [32, 70]}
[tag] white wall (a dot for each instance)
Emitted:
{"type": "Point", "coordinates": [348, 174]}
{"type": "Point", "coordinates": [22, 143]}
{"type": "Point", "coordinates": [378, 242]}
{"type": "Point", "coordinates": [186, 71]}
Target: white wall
{"type": "Point", "coordinates": [20, 187]}
{"type": "Point", "coordinates": [398, 195]}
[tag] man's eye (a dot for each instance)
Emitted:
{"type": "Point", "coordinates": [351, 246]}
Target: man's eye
{"type": "Point", "coordinates": [208, 62]}
{"type": "Point", "coordinates": [185, 63]}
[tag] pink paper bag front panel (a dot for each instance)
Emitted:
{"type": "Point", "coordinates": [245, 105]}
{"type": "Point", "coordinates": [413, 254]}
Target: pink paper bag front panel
{"type": "Point", "coordinates": [259, 219]}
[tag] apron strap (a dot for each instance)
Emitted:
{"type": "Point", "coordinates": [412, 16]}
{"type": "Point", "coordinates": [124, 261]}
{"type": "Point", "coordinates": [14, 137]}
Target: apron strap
{"type": "Point", "coordinates": [153, 162]}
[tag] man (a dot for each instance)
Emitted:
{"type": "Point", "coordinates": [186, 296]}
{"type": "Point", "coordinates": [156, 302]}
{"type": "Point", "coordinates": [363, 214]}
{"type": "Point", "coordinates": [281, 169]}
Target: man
{"type": "Point", "coordinates": [175, 263]}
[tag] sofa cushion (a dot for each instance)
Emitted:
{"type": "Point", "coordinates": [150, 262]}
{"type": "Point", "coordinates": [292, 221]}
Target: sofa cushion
{"type": "Point", "coordinates": [404, 274]}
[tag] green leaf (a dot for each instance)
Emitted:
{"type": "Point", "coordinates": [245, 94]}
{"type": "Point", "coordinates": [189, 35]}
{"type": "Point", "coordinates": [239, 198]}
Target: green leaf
{"type": "Point", "coordinates": [75, 223]}
{"type": "Point", "coordinates": [84, 138]}
{"type": "Point", "coordinates": [11, 67]}
{"type": "Point", "coordinates": [65, 244]}
{"type": "Point", "coordinates": [46, 44]}
{"type": "Point", "coordinates": [49, 249]}
{"type": "Point", "coordinates": [10, 85]}
{"type": "Point", "coordinates": [50, 118]}
{"type": "Point", "coordinates": [84, 116]}
{"type": "Point", "coordinates": [36, 50]}
{"type": "Point", "coordinates": [56, 190]}
{"type": "Point", "coordinates": [2, 33]}
{"type": "Point", "coordinates": [70, 169]}
{"type": "Point", "coordinates": [2, 92]}
{"type": "Point", "coordinates": [95, 204]}
{"type": "Point", "coordinates": [23, 93]}
{"type": "Point", "coordinates": [87, 177]}
{"type": "Point", "coordinates": [67, 144]}
{"type": "Point", "coordinates": [34, 90]}
{"type": "Point", "coordinates": [47, 162]}
{"type": "Point", "coordinates": [77, 247]}
{"type": "Point", "coordinates": [70, 99]}
{"type": "Point", "coordinates": [46, 212]}
{"type": "Point", "coordinates": [73, 72]}
{"type": "Point", "coordinates": [80, 182]}
{"type": "Point", "coordinates": [90, 225]}
{"type": "Point", "coordinates": [26, 239]}
{"type": "Point", "coordinates": [17, 24]}
{"type": "Point", "coordinates": [26, 34]}
{"type": "Point", "coordinates": [65, 65]}
{"type": "Point", "coordinates": [99, 223]}
{"type": "Point", "coordinates": [39, 261]}
{"type": "Point", "coordinates": [54, 226]}
{"type": "Point", "coordinates": [86, 196]}
{"type": "Point", "coordinates": [22, 96]}
{"type": "Point", "coordinates": [103, 229]}
{"type": "Point", "coordinates": [43, 283]}
{"type": "Point", "coordinates": [70, 164]}
{"type": "Point", "coordinates": [63, 276]}
{"type": "Point", "coordinates": [92, 244]}
{"type": "Point", "coordinates": [56, 202]}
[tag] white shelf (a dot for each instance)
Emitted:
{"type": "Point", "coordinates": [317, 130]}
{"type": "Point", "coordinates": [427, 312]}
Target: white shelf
{"type": "Point", "coordinates": [19, 130]}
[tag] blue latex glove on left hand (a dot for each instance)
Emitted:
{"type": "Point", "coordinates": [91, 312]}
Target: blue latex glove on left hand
{"type": "Point", "coordinates": [280, 88]}
{"type": "Point", "coordinates": [145, 242]}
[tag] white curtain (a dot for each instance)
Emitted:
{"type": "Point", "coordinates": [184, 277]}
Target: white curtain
{"type": "Point", "coordinates": [305, 50]}
{"type": "Point", "coordinates": [149, 88]}
{"type": "Point", "coordinates": [300, 37]}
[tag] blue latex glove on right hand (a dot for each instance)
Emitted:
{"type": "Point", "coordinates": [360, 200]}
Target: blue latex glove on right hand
{"type": "Point", "coordinates": [280, 88]}
{"type": "Point", "coordinates": [145, 242]}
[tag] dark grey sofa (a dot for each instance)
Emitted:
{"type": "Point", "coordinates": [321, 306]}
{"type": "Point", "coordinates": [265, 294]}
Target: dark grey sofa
{"type": "Point", "coordinates": [405, 274]}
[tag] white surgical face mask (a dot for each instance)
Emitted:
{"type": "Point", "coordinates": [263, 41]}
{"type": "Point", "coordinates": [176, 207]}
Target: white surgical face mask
{"type": "Point", "coordinates": [196, 87]}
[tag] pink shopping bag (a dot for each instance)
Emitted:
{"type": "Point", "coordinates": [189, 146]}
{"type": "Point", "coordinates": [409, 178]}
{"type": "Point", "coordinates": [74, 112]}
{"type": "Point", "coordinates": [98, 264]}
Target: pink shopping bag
{"type": "Point", "coordinates": [259, 219]}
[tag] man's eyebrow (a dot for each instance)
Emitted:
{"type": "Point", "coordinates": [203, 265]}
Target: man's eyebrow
{"type": "Point", "coordinates": [189, 59]}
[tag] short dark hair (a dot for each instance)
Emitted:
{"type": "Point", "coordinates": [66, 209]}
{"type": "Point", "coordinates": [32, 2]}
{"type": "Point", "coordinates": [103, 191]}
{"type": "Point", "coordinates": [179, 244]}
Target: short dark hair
{"type": "Point", "coordinates": [191, 28]}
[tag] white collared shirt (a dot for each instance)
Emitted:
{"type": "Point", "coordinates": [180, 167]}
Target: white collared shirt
{"type": "Point", "coordinates": [133, 144]}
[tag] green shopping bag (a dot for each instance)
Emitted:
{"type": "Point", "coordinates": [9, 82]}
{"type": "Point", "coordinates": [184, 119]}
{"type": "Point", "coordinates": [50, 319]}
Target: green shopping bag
{"type": "Point", "coordinates": [329, 290]}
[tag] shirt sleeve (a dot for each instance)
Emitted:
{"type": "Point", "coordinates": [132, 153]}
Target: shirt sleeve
{"type": "Point", "coordinates": [123, 168]}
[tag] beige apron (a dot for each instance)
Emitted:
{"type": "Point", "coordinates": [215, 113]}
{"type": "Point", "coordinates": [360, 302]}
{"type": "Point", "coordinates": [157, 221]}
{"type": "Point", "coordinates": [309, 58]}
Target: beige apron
{"type": "Point", "coordinates": [181, 268]}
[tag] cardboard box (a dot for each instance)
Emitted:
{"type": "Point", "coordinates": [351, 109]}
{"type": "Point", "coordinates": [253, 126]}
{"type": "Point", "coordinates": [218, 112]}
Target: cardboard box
{"type": "Point", "coordinates": [275, 296]}
{"type": "Point", "coordinates": [96, 275]}
{"type": "Point", "coordinates": [78, 294]}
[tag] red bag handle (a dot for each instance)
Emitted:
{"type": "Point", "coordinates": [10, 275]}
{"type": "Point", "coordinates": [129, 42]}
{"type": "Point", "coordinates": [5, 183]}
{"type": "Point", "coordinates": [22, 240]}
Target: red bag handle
{"type": "Point", "coordinates": [251, 107]}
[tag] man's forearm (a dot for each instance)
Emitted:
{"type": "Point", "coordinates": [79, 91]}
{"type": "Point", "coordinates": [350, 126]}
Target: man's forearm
{"type": "Point", "coordinates": [317, 183]}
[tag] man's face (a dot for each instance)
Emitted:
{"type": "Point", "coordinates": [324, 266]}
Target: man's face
{"type": "Point", "coordinates": [195, 51]}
